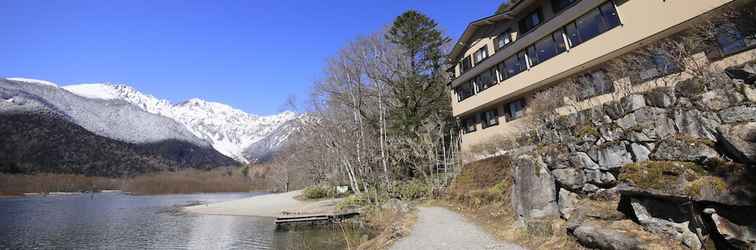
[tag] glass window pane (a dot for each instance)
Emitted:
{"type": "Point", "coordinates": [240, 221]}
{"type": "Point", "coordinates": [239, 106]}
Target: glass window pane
{"type": "Point", "coordinates": [559, 5]}
{"type": "Point", "coordinates": [730, 39]}
{"type": "Point", "coordinates": [572, 35]}
{"type": "Point", "coordinates": [559, 41]}
{"type": "Point", "coordinates": [609, 13]}
{"type": "Point", "coordinates": [589, 25]}
{"type": "Point", "coordinates": [546, 48]}
{"type": "Point", "coordinates": [533, 56]}
{"type": "Point", "coordinates": [502, 69]}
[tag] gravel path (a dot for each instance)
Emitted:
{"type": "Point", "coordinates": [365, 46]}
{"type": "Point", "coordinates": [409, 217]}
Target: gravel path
{"type": "Point", "coordinates": [439, 228]}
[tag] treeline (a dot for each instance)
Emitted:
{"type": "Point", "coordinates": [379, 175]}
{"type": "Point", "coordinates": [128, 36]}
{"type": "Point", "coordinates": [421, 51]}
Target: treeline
{"type": "Point", "coordinates": [381, 114]}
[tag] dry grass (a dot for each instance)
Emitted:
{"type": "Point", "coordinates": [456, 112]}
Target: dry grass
{"type": "Point", "coordinates": [391, 226]}
{"type": "Point", "coordinates": [189, 181]}
{"type": "Point", "coordinates": [11, 185]}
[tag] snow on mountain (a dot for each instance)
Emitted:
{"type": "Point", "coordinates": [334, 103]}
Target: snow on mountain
{"type": "Point", "coordinates": [230, 131]}
{"type": "Point", "coordinates": [27, 80]}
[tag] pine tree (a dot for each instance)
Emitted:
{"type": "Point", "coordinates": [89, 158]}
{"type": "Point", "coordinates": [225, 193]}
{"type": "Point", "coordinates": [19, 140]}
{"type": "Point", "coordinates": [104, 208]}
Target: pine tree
{"type": "Point", "coordinates": [421, 92]}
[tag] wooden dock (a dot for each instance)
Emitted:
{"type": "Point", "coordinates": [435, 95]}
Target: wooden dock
{"type": "Point", "coordinates": [314, 218]}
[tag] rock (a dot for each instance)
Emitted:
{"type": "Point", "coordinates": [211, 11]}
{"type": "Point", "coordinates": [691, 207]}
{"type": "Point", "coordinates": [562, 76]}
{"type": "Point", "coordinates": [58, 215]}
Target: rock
{"type": "Point", "coordinates": [640, 152]}
{"type": "Point", "coordinates": [690, 88]}
{"type": "Point", "coordinates": [613, 155]}
{"type": "Point", "coordinates": [740, 236]}
{"type": "Point", "coordinates": [569, 178]}
{"type": "Point", "coordinates": [593, 235]}
{"type": "Point", "coordinates": [632, 103]}
{"type": "Point", "coordinates": [743, 113]}
{"type": "Point", "coordinates": [533, 191]}
{"type": "Point", "coordinates": [682, 149]}
{"type": "Point", "coordinates": [718, 99]}
{"type": "Point", "coordinates": [567, 203]}
{"type": "Point", "coordinates": [667, 218]}
{"type": "Point", "coordinates": [397, 205]}
{"type": "Point", "coordinates": [696, 124]}
{"type": "Point", "coordinates": [613, 109]}
{"type": "Point", "coordinates": [581, 160]}
{"type": "Point", "coordinates": [599, 177]}
{"type": "Point", "coordinates": [749, 92]}
{"type": "Point", "coordinates": [555, 156]}
{"type": "Point", "coordinates": [627, 122]}
{"type": "Point", "coordinates": [746, 74]}
{"type": "Point", "coordinates": [590, 188]}
{"type": "Point", "coordinates": [660, 97]}
{"type": "Point", "coordinates": [610, 132]}
{"type": "Point", "coordinates": [740, 141]}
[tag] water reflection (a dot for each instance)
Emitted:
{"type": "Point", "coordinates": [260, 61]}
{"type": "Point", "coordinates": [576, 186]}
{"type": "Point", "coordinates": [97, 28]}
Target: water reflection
{"type": "Point", "coordinates": [118, 221]}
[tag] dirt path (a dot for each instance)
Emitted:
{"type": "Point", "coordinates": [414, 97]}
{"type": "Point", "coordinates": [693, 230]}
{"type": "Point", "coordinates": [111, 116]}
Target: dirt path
{"type": "Point", "coordinates": [439, 228]}
{"type": "Point", "coordinates": [269, 205]}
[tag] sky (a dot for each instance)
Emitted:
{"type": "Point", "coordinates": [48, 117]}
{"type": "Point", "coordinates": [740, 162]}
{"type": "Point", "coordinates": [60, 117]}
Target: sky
{"type": "Point", "coordinates": [250, 54]}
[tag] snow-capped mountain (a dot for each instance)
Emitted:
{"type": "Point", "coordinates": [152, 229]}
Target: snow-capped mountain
{"type": "Point", "coordinates": [230, 131]}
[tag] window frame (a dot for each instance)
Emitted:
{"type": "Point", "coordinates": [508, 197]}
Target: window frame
{"type": "Point", "coordinates": [471, 126]}
{"type": "Point", "coordinates": [524, 24]}
{"type": "Point", "coordinates": [508, 109]}
{"type": "Point", "coordinates": [507, 34]}
{"type": "Point", "coordinates": [468, 84]}
{"type": "Point", "coordinates": [483, 50]}
{"type": "Point", "coordinates": [485, 119]}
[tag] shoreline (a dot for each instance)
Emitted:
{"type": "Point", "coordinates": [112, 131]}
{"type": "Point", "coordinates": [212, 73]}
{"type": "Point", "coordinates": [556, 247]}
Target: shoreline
{"type": "Point", "coordinates": [268, 205]}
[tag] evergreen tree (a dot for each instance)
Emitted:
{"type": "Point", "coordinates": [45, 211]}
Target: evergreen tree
{"type": "Point", "coordinates": [420, 91]}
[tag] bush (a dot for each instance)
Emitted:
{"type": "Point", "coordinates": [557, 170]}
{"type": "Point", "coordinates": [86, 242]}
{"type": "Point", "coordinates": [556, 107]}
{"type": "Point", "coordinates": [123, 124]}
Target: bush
{"type": "Point", "coordinates": [318, 192]}
{"type": "Point", "coordinates": [411, 190]}
{"type": "Point", "coordinates": [352, 201]}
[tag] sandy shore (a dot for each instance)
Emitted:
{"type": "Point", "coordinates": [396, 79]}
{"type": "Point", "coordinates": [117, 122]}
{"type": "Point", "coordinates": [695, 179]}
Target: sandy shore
{"type": "Point", "coordinates": [270, 205]}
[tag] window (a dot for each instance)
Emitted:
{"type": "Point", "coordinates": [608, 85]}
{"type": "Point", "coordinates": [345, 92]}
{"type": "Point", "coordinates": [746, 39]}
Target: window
{"type": "Point", "coordinates": [514, 65]}
{"type": "Point", "coordinates": [490, 118]}
{"type": "Point", "coordinates": [485, 80]}
{"type": "Point", "coordinates": [465, 64]}
{"type": "Point", "coordinates": [464, 91]}
{"type": "Point", "coordinates": [515, 109]}
{"type": "Point", "coordinates": [594, 84]}
{"type": "Point", "coordinates": [530, 21]}
{"type": "Point", "coordinates": [730, 39]}
{"type": "Point", "coordinates": [468, 125]}
{"type": "Point", "coordinates": [547, 48]}
{"type": "Point", "coordinates": [503, 39]}
{"type": "Point", "coordinates": [560, 5]}
{"type": "Point", "coordinates": [592, 24]}
{"type": "Point", "coordinates": [659, 65]}
{"type": "Point", "coordinates": [481, 54]}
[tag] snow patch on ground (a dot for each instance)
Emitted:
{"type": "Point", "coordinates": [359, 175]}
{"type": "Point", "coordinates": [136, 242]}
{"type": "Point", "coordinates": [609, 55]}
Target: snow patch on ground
{"type": "Point", "coordinates": [29, 80]}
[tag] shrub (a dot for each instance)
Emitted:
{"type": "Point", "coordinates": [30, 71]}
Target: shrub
{"type": "Point", "coordinates": [318, 192]}
{"type": "Point", "coordinates": [352, 201]}
{"type": "Point", "coordinates": [411, 190]}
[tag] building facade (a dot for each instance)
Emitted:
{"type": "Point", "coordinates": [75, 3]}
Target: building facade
{"type": "Point", "coordinates": [502, 60]}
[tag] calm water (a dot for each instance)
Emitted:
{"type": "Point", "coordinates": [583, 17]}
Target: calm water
{"type": "Point", "coordinates": [120, 221]}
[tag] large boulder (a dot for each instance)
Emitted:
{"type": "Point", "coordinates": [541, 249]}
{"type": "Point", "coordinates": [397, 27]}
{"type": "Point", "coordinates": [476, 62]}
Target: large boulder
{"type": "Point", "coordinates": [599, 178]}
{"type": "Point", "coordinates": [569, 178]}
{"type": "Point", "coordinates": [740, 235]}
{"type": "Point", "coordinates": [660, 97]}
{"type": "Point", "coordinates": [581, 160]}
{"type": "Point", "coordinates": [534, 190]}
{"type": "Point", "coordinates": [613, 109]}
{"type": "Point", "coordinates": [690, 88]}
{"type": "Point", "coordinates": [683, 149]}
{"type": "Point", "coordinates": [613, 155]}
{"type": "Point", "coordinates": [740, 141]}
{"type": "Point", "coordinates": [567, 203]}
{"type": "Point", "coordinates": [745, 73]}
{"type": "Point", "coordinates": [696, 124]}
{"type": "Point", "coordinates": [640, 152]}
{"type": "Point", "coordinates": [595, 235]}
{"type": "Point", "coordinates": [719, 99]}
{"type": "Point", "coordinates": [627, 122]}
{"type": "Point", "coordinates": [742, 113]}
{"type": "Point", "coordinates": [632, 103]}
{"type": "Point", "coordinates": [665, 217]}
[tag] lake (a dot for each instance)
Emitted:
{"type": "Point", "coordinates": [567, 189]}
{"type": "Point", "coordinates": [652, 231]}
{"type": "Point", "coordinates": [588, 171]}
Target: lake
{"type": "Point", "coordinates": [121, 221]}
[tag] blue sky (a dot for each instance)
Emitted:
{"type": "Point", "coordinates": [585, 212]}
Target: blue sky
{"type": "Point", "coordinates": [250, 54]}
